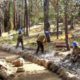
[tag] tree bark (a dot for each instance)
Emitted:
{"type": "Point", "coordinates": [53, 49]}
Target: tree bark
{"type": "Point", "coordinates": [6, 17]}
{"type": "Point", "coordinates": [57, 19]}
{"type": "Point", "coordinates": [26, 18]}
{"type": "Point", "coordinates": [46, 15]}
{"type": "Point", "coordinates": [0, 30]}
{"type": "Point", "coordinates": [46, 20]}
{"type": "Point", "coordinates": [14, 19]}
{"type": "Point", "coordinates": [72, 24]}
{"type": "Point", "coordinates": [66, 25]}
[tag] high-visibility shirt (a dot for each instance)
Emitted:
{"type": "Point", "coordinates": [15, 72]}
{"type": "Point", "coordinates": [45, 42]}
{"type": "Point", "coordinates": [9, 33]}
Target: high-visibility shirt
{"type": "Point", "coordinates": [41, 38]}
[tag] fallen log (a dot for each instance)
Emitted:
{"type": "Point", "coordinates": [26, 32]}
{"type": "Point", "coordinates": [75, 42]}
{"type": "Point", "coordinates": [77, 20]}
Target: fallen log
{"type": "Point", "coordinates": [60, 44]}
{"type": "Point", "coordinates": [19, 62]}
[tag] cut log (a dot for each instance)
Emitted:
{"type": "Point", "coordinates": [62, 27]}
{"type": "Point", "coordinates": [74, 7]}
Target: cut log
{"type": "Point", "coordinates": [19, 62]}
{"type": "Point", "coordinates": [20, 69]}
{"type": "Point", "coordinates": [11, 58]}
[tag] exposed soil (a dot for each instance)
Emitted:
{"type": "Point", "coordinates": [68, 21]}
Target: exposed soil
{"type": "Point", "coordinates": [32, 71]}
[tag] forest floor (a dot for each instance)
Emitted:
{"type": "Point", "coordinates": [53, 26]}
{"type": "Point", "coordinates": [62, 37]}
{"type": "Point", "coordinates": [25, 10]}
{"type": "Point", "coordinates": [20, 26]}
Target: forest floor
{"type": "Point", "coordinates": [11, 38]}
{"type": "Point", "coordinates": [30, 46]}
{"type": "Point", "coordinates": [32, 71]}
{"type": "Point", "coordinates": [31, 40]}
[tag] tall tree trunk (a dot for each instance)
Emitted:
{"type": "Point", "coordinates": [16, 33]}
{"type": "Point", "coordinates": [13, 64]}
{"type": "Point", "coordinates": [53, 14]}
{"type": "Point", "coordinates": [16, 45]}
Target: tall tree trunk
{"type": "Point", "coordinates": [57, 18]}
{"type": "Point", "coordinates": [6, 17]}
{"type": "Point", "coordinates": [0, 28]}
{"type": "Point", "coordinates": [19, 21]}
{"type": "Point", "coordinates": [26, 18]}
{"type": "Point", "coordinates": [14, 19]}
{"type": "Point", "coordinates": [72, 24]}
{"type": "Point", "coordinates": [66, 24]}
{"type": "Point", "coordinates": [46, 15]}
{"type": "Point", "coordinates": [46, 20]}
{"type": "Point", "coordinates": [0, 32]}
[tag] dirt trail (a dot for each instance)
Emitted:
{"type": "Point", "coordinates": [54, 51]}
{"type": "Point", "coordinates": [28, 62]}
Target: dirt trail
{"type": "Point", "coordinates": [32, 71]}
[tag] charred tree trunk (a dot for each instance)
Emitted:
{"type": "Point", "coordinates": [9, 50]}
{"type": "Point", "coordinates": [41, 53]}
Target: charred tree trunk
{"type": "Point", "coordinates": [66, 24]}
{"type": "Point", "coordinates": [46, 19]}
{"type": "Point", "coordinates": [26, 18]}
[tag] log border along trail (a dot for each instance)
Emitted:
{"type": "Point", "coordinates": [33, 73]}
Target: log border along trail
{"type": "Point", "coordinates": [32, 70]}
{"type": "Point", "coordinates": [50, 65]}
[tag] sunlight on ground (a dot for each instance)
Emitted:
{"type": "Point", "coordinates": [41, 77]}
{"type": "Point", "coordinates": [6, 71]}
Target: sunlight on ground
{"type": "Point", "coordinates": [5, 34]}
{"type": "Point", "coordinates": [36, 72]}
{"type": "Point", "coordinates": [34, 31]}
{"type": "Point", "coordinates": [32, 72]}
{"type": "Point", "coordinates": [61, 37]}
{"type": "Point", "coordinates": [31, 67]}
